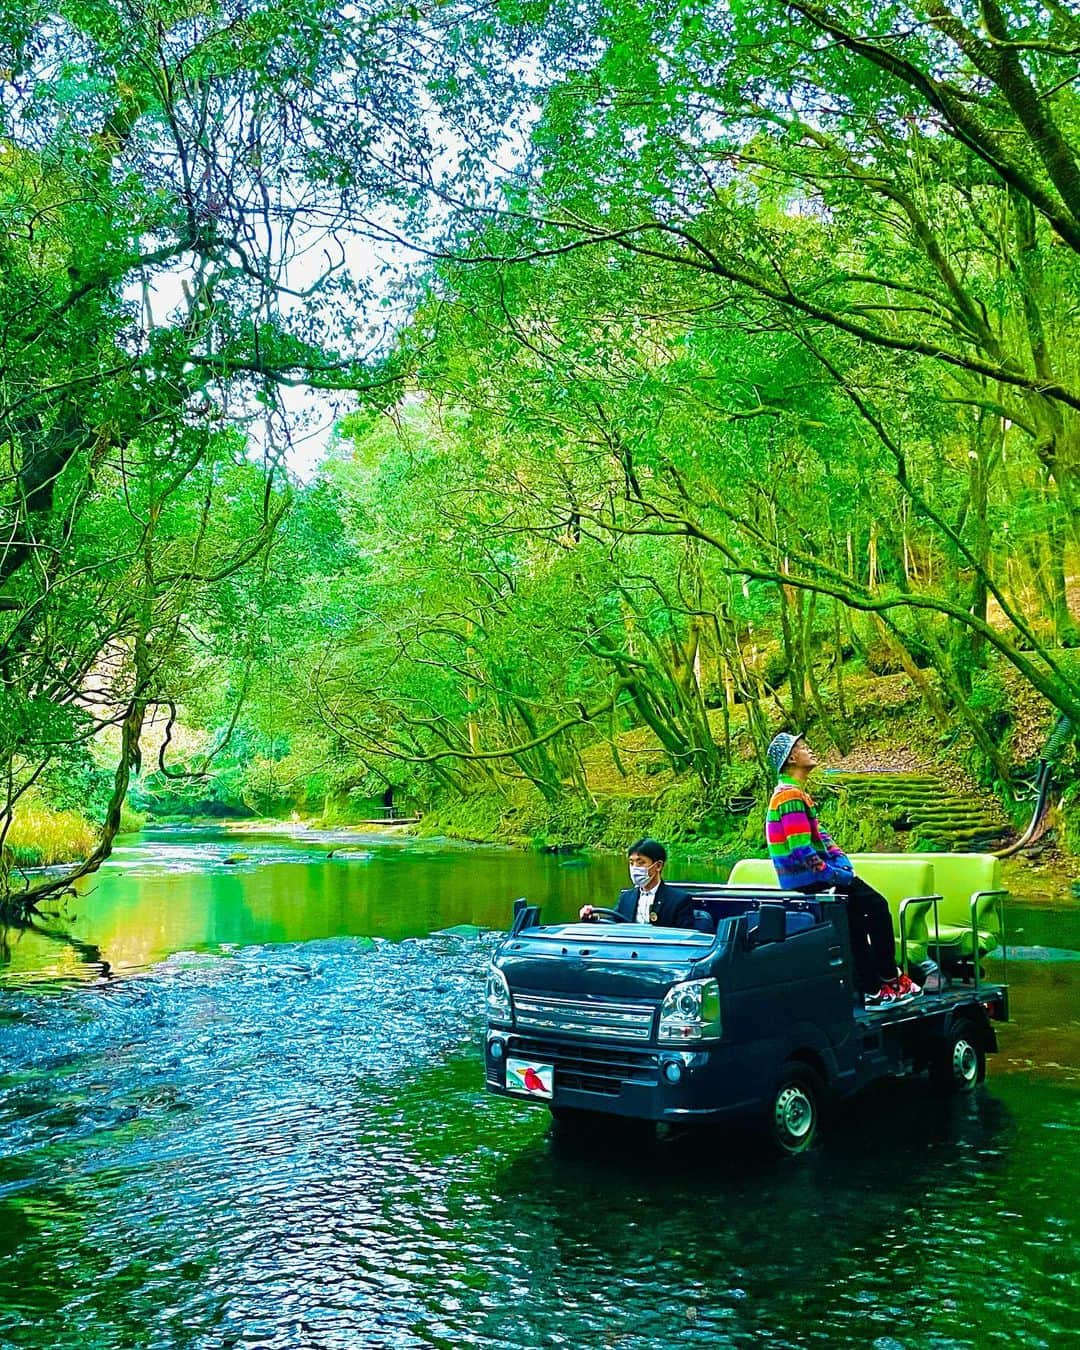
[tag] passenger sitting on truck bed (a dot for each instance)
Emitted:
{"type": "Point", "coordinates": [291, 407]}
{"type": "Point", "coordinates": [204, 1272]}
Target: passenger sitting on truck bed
{"type": "Point", "coordinates": [807, 860]}
{"type": "Point", "coordinates": [650, 899]}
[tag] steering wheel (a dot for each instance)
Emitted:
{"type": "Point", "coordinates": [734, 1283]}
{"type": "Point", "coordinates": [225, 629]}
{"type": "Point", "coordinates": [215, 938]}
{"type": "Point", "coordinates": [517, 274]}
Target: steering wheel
{"type": "Point", "coordinates": [606, 916]}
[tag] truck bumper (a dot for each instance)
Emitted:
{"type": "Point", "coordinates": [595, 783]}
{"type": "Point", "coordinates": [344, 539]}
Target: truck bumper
{"type": "Point", "coordinates": [700, 1085]}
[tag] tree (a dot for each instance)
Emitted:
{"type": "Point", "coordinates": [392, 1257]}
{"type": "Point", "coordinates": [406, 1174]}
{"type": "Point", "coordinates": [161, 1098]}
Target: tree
{"type": "Point", "coordinates": [815, 187]}
{"type": "Point", "coordinates": [186, 194]}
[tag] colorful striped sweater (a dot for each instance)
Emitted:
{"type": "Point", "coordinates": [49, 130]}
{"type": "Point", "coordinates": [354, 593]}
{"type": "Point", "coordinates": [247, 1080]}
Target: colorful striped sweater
{"type": "Point", "coordinates": [801, 851]}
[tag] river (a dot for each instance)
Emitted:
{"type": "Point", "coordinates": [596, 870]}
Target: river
{"type": "Point", "coordinates": [241, 1105]}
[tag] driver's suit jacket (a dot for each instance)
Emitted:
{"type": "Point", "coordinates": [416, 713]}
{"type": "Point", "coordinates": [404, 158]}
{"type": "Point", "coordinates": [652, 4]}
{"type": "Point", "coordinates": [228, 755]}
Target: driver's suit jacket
{"type": "Point", "coordinates": [671, 908]}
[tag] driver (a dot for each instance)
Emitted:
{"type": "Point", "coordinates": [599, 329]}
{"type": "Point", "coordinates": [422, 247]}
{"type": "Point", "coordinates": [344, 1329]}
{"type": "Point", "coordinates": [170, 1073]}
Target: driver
{"type": "Point", "coordinates": [650, 899]}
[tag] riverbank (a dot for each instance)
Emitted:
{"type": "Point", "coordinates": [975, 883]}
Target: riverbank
{"type": "Point", "coordinates": [870, 810]}
{"type": "Point", "coordinates": [523, 819]}
{"type": "Point", "coordinates": [40, 836]}
{"type": "Point", "coordinates": [266, 825]}
{"type": "Point", "coordinates": [865, 801]}
{"type": "Point", "coordinates": [898, 783]}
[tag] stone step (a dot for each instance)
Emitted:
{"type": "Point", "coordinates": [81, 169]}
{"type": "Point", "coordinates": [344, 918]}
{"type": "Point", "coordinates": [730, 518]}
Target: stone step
{"type": "Point", "coordinates": [926, 806]}
{"type": "Point", "coordinates": [892, 779]}
{"type": "Point", "coordinates": [961, 814]}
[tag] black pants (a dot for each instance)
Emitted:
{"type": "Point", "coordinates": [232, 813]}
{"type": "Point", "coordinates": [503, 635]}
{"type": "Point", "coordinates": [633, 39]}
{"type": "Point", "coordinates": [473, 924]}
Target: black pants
{"type": "Point", "coordinates": [872, 947]}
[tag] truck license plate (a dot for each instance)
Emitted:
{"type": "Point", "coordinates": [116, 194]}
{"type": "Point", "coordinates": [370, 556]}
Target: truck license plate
{"type": "Point", "coordinates": [529, 1078]}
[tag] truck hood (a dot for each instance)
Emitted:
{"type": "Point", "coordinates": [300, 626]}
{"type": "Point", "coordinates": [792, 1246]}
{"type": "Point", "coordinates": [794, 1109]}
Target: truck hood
{"type": "Point", "coordinates": [587, 960]}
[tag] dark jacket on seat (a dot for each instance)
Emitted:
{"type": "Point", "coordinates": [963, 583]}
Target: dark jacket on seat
{"type": "Point", "coordinates": [671, 908]}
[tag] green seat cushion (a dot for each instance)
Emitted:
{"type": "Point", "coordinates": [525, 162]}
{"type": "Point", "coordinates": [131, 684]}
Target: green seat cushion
{"type": "Point", "coordinates": [956, 940]}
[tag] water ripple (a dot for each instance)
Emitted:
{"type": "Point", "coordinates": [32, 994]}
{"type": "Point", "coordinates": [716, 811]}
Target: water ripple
{"type": "Point", "coordinates": [289, 1147]}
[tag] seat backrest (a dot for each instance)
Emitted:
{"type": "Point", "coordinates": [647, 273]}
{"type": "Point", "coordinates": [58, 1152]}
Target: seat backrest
{"type": "Point", "coordinates": [896, 875]}
{"type": "Point", "coordinates": [957, 876]}
{"type": "Point", "coordinates": [754, 872]}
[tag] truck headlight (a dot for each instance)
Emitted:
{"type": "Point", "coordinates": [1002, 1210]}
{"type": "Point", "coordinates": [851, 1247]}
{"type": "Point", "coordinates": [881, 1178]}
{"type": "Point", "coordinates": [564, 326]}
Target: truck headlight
{"type": "Point", "coordinates": [499, 1008]}
{"type": "Point", "coordinates": [691, 1012]}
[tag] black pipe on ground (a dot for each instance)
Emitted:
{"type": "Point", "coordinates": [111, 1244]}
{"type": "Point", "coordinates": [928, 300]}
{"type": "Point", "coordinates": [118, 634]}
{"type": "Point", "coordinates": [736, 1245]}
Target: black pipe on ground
{"type": "Point", "coordinates": [1055, 744]}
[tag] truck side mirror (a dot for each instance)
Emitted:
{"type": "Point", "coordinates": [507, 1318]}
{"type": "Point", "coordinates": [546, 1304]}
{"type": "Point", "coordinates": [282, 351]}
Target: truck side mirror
{"type": "Point", "coordinates": [771, 925]}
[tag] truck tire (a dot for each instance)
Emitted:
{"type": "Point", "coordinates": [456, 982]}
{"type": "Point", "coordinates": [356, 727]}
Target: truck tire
{"type": "Point", "coordinates": [958, 1062]}
{"type": "Point", "coordinates": [797, 1107]}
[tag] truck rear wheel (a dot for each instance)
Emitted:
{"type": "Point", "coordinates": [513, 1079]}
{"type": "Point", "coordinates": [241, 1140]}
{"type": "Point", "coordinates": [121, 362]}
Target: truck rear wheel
{"type": "Point", "coordinates": [797, 1107]}
{"type": "Point", "coordinates": [958, 1063]}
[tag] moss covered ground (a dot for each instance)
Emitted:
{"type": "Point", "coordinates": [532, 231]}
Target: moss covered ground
{"type": "Point", "coordinates": [898, 783]}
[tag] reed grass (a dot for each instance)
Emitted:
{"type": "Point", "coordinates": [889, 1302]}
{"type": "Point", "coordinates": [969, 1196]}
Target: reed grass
{"type": "Point", "coordinates": [40, 836]}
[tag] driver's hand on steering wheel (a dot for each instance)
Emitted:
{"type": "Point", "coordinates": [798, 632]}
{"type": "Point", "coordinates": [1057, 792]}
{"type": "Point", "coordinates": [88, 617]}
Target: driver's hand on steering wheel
{"type": "Point", "coordinates": [587, 913]}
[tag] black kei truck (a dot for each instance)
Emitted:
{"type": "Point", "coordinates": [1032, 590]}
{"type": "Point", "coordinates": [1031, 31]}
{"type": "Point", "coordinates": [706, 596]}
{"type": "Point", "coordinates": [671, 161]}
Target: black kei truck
{"type": "Point", "coordinates": [751, 1015]}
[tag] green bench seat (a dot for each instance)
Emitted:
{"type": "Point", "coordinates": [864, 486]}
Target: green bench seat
{"type": "Point", "coordinates": [754, 872]}
{"type": "Point", "coordinates": [905, 880]}
{"type": "Point", "coordinates": [971, 893]}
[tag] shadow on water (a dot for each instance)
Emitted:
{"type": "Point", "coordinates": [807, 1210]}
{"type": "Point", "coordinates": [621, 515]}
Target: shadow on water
{"type": "Point", "coordinates": [917, 1219]}
{"type": "Point", "coordinates": [899, 1226]}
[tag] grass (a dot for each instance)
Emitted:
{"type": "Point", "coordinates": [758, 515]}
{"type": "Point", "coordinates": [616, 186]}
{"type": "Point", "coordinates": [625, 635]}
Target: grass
{"type": "Point", "coordinates": [40, 836]}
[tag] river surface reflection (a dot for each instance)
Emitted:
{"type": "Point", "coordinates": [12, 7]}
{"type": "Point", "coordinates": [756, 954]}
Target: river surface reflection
{"type": "Point", "coordinates": [172, 890]}
{"type": "Point", "coordinates": [271, 1132]}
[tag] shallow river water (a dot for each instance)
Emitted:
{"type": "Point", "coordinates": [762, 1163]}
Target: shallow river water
{"type": "Point", "coordinates": [242, 1106]}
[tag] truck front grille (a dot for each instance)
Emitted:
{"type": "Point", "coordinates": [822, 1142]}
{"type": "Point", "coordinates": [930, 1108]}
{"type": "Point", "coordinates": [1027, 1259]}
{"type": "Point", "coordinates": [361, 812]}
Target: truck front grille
{"type": "Point", "coordinates": [564, 1016]}
{"type": "Point", "coordinates": [588, 1068]}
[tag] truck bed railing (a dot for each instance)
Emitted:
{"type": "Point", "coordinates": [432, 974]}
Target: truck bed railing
{"type": "Point", "coordinates": [720, 890]}
{"type": "Point", "coordinates": [906, 908]}
{"type": "Point", "coordinates": [979, 907]}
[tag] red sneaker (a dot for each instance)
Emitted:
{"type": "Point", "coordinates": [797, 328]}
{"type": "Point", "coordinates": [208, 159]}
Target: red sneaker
{"type": "Point", "coordinates": [905, 987]}
{"type": "Point", "coordinates": [886, 994]}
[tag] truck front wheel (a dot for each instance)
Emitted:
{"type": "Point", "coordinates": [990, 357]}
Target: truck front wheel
{"type": "Point", "coordinates": [958, 1063]}
{"type": "Point", "coordinates": [797, 1105]}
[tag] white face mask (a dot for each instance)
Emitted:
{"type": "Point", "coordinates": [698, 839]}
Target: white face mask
{"type": "Point", "coordinates": [639, 875]}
